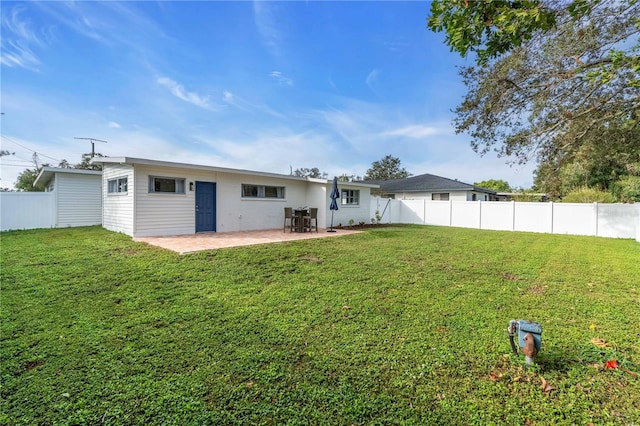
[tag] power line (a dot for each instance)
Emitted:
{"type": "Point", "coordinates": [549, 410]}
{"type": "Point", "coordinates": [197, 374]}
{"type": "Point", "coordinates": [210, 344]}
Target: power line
{"type": "Point", "coordinates": [29, 149]}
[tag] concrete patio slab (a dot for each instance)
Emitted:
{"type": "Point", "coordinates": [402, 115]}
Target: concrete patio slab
{"type": "Point", "coordinates": [213, 240]}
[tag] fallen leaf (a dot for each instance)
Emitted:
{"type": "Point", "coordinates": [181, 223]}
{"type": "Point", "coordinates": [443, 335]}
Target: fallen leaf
{"type": "Point", "coordinates": [249, 384]}
{"type": "Point", "coordinates": [516, 379]}
{"type": "Point", "coordinates": [630, 372]}
{"type": "Point", "coordinates": [493, 377]}
{"type": "Point", "coordinates": [612, 364]}
{"type": "Point", "coordinates": [601, 343]}
{"type": "Point", "coordinates": [546, 387]}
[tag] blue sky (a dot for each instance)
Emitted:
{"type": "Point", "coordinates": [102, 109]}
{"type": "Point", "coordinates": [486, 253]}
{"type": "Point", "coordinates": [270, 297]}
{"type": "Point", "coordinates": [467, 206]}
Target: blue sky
{"type": "Point", "coordinates": [264, 86]}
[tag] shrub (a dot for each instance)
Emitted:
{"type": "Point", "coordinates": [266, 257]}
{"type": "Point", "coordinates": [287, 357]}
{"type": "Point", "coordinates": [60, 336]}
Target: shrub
{"type": "Point", "coordinates": [627, 189]}
{"type": "Point", "coordinates": [588, 195]}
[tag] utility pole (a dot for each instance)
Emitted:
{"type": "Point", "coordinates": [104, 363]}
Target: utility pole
{"type": "Point", "coordinates": [93, 148]}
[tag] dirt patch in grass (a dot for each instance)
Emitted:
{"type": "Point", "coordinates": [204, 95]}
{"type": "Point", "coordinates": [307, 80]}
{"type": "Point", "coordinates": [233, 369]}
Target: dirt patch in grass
{"type": "Point", "coordinates": [511, 277]}
{"type": "Point", "coordinates": [537, 289]}
{"type": "Point", "coordinates": [33, 364]}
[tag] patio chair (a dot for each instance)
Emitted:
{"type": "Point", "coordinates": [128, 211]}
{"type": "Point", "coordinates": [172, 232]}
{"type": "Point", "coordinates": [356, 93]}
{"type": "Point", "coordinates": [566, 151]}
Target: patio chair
{"type": "Point", "coordinates": [309, 220]}
{"type": "Point", "coordinates": [288, 214]}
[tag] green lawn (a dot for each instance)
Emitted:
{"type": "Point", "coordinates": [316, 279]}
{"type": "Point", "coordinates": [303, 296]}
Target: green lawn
{"type": "Point", "coordinates": [398, 325]}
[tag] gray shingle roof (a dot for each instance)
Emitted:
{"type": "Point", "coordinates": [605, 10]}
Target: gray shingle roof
{"type": "Point", "coordinates": [426, 183]}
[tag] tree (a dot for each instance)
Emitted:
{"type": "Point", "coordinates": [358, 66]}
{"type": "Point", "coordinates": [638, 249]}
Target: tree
{"type": "Point", "coordinates": [312, 173]}
{"type": "Point", "coordinates": [85, 163]}
{"type": "Point", "coordinates": [488, 28]}
{"type": "Point", "coordinates": [495, 184]}
{"type": "Point", "coordinates": [27, 178]}
{"type": "Point", "coordinates": [385, 169]}
{"type": "Point", "coordinates": [555, 81]}
{"type": "Point", "coordinates": [348, 178]}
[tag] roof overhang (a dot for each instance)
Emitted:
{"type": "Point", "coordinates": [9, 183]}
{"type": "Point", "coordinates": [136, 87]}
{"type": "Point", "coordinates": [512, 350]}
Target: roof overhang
{"type": "Point", "coordinates": [147, 162]}
{"type": "Point", "coordinates": [47, 173]}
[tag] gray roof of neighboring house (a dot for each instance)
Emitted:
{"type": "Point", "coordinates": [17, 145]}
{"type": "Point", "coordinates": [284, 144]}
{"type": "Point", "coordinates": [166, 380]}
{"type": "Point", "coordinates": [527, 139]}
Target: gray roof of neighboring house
{"type": "Point", "coordinates": [426, 183]}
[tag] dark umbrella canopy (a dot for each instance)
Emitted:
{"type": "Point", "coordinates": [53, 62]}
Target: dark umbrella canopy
{"type": "Point", "coordinates": [335, 194]}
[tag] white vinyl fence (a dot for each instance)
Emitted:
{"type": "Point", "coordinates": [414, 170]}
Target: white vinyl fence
{"type": "Point", "coordinates": [27, 210]}
{"type": "Point", "coordinates": [602, 220]}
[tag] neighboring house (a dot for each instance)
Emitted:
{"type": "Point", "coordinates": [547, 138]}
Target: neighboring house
{"type": "Point", "coordinates": [432, 187]}
{"type": "Point", "coordinates": [143, 197]}
{"type": "Point", "coordinates": [77, 195]}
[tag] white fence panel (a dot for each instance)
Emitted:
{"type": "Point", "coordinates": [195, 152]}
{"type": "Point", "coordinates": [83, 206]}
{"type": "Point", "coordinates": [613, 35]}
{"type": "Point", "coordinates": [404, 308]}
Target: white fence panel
{"type": "Point", "coordinates": [438, 213]}
{"type": "Point", "coordinates": [618, 221]}
{"type": "Point", "coordinates": [465, 214]}
{"type": "Point", "coordinates": [412, 211]}
{"type": "Point", "coordinates": [497, 216]}
{"type": "Point", "coordinates": [575, 219]}
{"type": "Point", "coordinates": [27, 210]}
{"type": "Point", "coordinates": [603, 220]}
{"type": "Point", "coordinates": [533, 217]}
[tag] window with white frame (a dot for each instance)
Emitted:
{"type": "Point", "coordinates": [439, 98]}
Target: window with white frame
{"type": "Point", "coordinates": [117, 185]}
{"type": "Point", "coordinates": [262, 191]}
{"type": "Point", "coordinates": [166, 185]}
{"type": "Point", "coordinates": [350, 197]}
{"type": "Point", "coordinates": [440, 196]}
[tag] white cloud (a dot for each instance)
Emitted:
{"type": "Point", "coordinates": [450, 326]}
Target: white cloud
{"type": "Point", "coordinates": [179, 92]}
{"type": "Point", "coordinates": [264, 16]}
{"type": "Point", "coordinates": [17, 36]}
{"type": "Point", "coordinates": [417, 131]}
{"type": "Point", "coordinates": [372, 79]}
{"type": "Point", "coordinates": [282, 79]}
{"type": "Point", "coordinates": [114, 125]}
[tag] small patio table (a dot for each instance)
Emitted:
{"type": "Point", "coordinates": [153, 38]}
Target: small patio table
{"type": "Point", "coordinates": [299, 215]}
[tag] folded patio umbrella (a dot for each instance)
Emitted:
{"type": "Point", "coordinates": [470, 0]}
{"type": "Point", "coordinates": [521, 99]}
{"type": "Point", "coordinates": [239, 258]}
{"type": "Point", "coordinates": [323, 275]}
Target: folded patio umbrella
{"type": "Point", "coordinates": [335, 194]}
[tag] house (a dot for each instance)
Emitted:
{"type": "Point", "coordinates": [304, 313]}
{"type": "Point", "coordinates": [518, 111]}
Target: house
{"type": "Point", "coordinates": [432, 187]}
{"type": "Point", "coordinates": [144, 198]}
{"type": "Point", "coordinates": [77, 196]}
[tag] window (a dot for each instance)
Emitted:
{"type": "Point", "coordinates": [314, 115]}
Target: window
{"type": "Point", "coordinates": [262, 191]}
{"type": "Point", "coordinates": [350, 197]}
{"type": "Point", "coordinates": [474, 197]}
{"type": "Point", "coordinates": [118, 185]}
{"type": "Point", "coordinates": [440, 196]}
{"type": "Point", "coordinates": [164, 185]}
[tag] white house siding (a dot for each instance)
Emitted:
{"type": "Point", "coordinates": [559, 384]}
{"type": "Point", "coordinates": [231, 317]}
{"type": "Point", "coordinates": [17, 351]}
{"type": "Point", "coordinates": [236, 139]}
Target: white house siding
{"type": "Point", "coordinates": [117, 212]}
{"type": "Point", "coordinates": [359, 213]}
{"type": "Point", "coordinates": [174, 214]}
{"type": "Point", "coordinates": [79, 199]}
{"type": "Point", "coordinates": [166, 214]}
{"type": "Point", "coordinates": [453, 195]}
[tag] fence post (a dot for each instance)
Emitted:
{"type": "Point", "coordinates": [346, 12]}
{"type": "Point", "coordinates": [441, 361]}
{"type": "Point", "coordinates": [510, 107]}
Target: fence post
{"type": "Point", "coordinates": [513, 215]}
{"type": "Point", "coordinates": [551, 216]}
{"type": "Point", "coordinates": [450, 212]}
{"type": "Point", "coordinates": [480, 215]}
{"type": "Point", "coordinates": [596, 219]}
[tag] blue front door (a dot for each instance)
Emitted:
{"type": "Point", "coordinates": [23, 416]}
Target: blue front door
{"type": "Point", "coordinates": [205, 206]}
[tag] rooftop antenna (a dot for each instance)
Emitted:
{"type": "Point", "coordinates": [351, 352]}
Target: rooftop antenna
{"type": "Point", "coordinates": [93, 148]}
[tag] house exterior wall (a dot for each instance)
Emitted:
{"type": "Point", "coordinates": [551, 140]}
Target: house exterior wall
{"type": "Point", "coordinates": [453, 195]}
{"type": "Point", "coordinates": [357, 213]}
{"type": "Point", "coordinates": [174, 214]}
{"type": "Point", "coordinates": [141, 213]}
{"type": "Point", "coordinates": [117, 211]}
{"type": "Point", "coordinates": [78, 199]}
